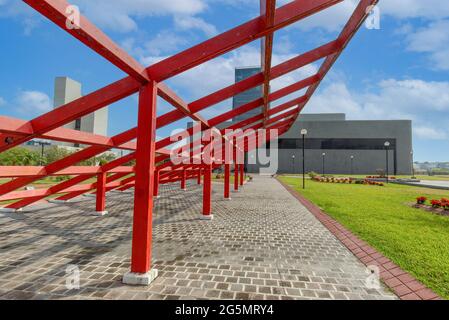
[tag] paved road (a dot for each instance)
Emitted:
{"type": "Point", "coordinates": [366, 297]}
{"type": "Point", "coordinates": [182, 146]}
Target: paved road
{"type": "Point", "coordinates": [261, 245]}
{"type": "Point", "coordinates": [430, 184]}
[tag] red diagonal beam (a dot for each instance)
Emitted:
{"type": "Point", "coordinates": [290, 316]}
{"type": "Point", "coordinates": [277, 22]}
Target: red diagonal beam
{"type": "Point", "coordinates": [127, 136]}
{"type": "Point", "coordinates": [237, 37]}
{"type": "Point", "coordinates": [69, 186]}
{"type": "Point", "coordinates": [40, 172]}
{"type": "Point", "coordinates": [170, 96]}
{"type": "Point", "coordinates": [358, 17]}
{"type": "Point", "coordinates": [216, 46]}
{"type": "Point", "coordinates": [256, 80]}
{"type": "Point", "coordinates": [66, 162]}
{"type": "Point", "coordinates": [91, 36]}
{"type": "Point", "coordinates": [96, 100]}
{"type": "Point", "coordinates": [267, 11]}
{"type": "Point", "coordinates": [22, 128]}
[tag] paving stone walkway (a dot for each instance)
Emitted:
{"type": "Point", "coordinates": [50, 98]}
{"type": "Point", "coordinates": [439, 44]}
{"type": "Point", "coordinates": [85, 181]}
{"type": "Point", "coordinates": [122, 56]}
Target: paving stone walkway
{"type": "Point", "coordinates": [261, 245]}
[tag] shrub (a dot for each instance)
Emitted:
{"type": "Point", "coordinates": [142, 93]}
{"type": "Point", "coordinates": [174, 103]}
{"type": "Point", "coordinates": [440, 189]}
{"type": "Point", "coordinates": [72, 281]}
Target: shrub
{"type": "Point", "coordinates": [421, 200]}
{"type": "Point", "coordinates": [313, 175]}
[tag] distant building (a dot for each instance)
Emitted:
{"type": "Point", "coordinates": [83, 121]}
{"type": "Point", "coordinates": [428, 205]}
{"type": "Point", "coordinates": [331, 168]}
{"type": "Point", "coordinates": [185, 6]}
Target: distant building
{"type": "Point", "coordinates": [68, 90]}
{"type": "Point", "coordinates": [247, 96]}
{"type": "Point", "coordinates": [349, 146]}
{"type": "Point", "coordinates": [356, 147]}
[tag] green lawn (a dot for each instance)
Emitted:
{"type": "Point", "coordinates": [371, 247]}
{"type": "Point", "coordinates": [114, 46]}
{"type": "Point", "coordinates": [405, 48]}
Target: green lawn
{"type": "Point", "coordinates": [433, 178]}
{"type": "Point", "coordinates": [414, 239]}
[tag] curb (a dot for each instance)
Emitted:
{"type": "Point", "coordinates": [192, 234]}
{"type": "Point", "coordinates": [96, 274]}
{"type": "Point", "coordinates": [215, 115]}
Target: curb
{"type": "Point", "coordinates": [404, 285]}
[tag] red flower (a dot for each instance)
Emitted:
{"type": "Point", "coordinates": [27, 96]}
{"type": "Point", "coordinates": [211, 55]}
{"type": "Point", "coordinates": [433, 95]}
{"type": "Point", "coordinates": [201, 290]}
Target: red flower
{"type": "Point", "coordinates": [436, 203]}
{"type": "Point", "coordinates": [421, 200]}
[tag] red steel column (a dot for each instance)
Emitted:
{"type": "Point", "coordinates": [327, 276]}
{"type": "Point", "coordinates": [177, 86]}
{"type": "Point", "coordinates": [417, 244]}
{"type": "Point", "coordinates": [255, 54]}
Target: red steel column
{"type": "Point", "coordinates": [143, 202]}
{"type": "Point", "coordinates": [156, 184]}
{"type": "Point", "coordinates": [207, 193]}
{"type": "Point", "coordinates": [199, 175]}
{"type": "Point", "coordinates": [242, 174]}
{"type": "Point", "coordinates": [184, 180]}
{"type": "Point", "coordinates": [227, 182]}
{"type": "Point", "coordinates": [101, 194]}
{"type": "Point", "coordinates": [236, 177]}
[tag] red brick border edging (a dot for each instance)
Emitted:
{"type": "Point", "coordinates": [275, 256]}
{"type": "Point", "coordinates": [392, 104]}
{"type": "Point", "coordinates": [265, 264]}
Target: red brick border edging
{"type": "Point", "coordinates": [404, 285]}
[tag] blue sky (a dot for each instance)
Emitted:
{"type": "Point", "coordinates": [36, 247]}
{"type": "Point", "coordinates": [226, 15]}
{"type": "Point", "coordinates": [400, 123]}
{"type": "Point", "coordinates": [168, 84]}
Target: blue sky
{"type": "Point", "coordinates": [398, 72]}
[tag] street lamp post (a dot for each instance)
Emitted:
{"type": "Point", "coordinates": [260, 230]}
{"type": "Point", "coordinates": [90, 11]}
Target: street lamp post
{"type": "Point", "coordinates": [43, 144]}
{"type": "Point", "coordinates": [324, 157]}
{"type": "Point", "coordinates": [352, 165]}
{"type": "Point", "coordinates": [304, 133]}
{"type": "Point", "coordinates": [387, 146]}
{"type": "Point", "coordinates": [293, 163]}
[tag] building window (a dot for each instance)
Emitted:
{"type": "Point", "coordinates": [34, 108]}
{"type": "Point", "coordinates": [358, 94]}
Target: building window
{"type": "Point", "coordinates": [337, 144]}
{"type": "Point", "coordinates": [78, 124]}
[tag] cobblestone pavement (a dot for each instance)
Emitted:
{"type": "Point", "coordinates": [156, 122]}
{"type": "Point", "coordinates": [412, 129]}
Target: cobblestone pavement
{"type": "Point", "coordinates": [261, 245]}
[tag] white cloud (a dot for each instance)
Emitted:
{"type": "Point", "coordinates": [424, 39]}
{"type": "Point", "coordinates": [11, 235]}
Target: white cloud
{"type": "Point", "coordinates": [426, 103]}
{"type": "Point", "coordinates": [2, 102]}
{"type": "Point", "coordinates": [119, 15]}
{"type": "Point", "coordinates": [404, 9]}
{"type": "Point", "coordinates": [33, 102]}
{"type": "Point", "coordinates": [334, 18]}
{"type": "Point", "coordinates": [192, 23]}
{"type": "Point", "coordinates": [429, 133]}
{"type": "Point", "coordinates": [433, 39]}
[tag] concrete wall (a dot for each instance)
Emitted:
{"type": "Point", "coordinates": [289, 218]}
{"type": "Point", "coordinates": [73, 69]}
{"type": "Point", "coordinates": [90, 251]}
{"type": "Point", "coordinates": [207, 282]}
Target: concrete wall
{"type": "Point", "coordinates": [68, 90]}
{"type": "Point", "coordinates": [339, 161]}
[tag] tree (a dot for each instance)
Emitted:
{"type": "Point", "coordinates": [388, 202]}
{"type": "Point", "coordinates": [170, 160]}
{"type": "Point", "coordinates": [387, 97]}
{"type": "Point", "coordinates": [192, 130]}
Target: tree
{"type": "Point", "coordinates": [54, 154]}
{"type": "Point", "coordinates": [19, 157]}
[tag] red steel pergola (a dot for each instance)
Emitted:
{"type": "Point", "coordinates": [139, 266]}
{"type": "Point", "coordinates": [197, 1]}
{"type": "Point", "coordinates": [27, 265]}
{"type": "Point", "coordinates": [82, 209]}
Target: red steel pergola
{"type": "Point", "coordinates": [154, 165]}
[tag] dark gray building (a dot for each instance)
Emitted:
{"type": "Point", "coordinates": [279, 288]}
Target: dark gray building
{"type": "Point", "coordinates": [247, 96]}
{"type": "Point", "coordinates": [356, 147]}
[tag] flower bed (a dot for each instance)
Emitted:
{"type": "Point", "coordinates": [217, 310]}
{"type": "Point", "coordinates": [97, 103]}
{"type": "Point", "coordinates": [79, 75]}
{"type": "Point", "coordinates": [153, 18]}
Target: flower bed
{"type": "Point", "coordinates": [380, 177]}
{"type": "Point", "coordinates": [440, 207]}
{"type": "Point", "coordinates": [347, 181]}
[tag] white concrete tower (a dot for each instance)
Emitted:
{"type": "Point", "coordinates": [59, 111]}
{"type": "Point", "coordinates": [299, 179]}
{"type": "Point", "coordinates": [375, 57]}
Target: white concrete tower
{"type": "Point", "coordinates": [68, 90]}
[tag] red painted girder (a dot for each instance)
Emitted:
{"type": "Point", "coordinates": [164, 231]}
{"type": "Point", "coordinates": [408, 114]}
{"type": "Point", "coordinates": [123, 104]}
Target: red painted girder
{"type": "Point", "coordinates": [45, 192]}
{"type": "Point", "coordinates": [358, 17]}
{"type": "Point", "coordinates": [305, 59]}
{"type": "Point", "coordinates": [77, 180]}
{"type": "Point", "coordinates": [170, 96]}
{"type": "Point", "coordinates": [247, 122]}
{"type": "Point", "coordinates": [267, 12]}
{"type": "Point", "coordinates": [66, 162]}
{"type": "Point", "coordinates": [77, 109]}
{"type": "Point", "coordinates": [26, 171]}
{"type": "Point", "coordinates": [110, 166]}
{"type": "Point", "coordinates": [288, 14]}
{"type": "Point", "coordinates": [237, 37]}
{"type": "Point", "coordinates": [288, 114]}
{"type": "Point", "coordinates": [302, 84]}
{"type": "Point", "coordinates": [91, 36]}
{"type": "Point", "coordinates": [257, 103]}
{"type": "Point", "coordinates": [66, 112]}
{"type": "Point", "coordinates": [287, 105]}
{"type": "Point", "coordinates": [257, 79]}
{"type": "Point", "coordinates": [23, 128]}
